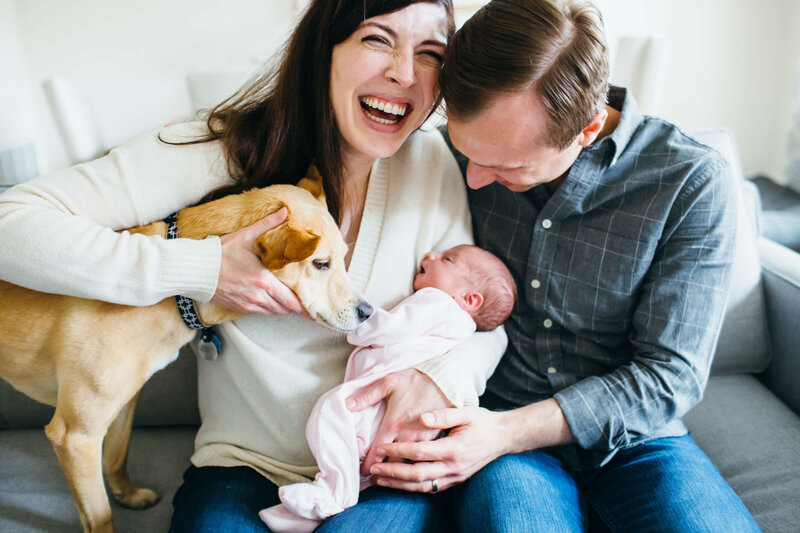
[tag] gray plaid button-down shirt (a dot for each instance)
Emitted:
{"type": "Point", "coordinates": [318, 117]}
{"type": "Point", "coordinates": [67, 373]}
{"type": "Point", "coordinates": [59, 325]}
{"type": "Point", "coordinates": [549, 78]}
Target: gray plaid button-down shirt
{"type": "Point", "coordinates": [622, 275]}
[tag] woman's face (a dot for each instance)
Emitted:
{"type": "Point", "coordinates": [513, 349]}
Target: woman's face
{"type": "Point", "coordinates": [383, 78]}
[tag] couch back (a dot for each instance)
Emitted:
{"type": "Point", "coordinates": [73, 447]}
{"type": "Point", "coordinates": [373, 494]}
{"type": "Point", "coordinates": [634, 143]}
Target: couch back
{"type": "Point", "coordinates": [743, 344]}
{"type": "Point", "coordinates": [170, 397]}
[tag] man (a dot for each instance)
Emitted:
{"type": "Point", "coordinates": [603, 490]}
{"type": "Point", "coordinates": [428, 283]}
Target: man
{"type": "Point", "coordinates": [619, 231]}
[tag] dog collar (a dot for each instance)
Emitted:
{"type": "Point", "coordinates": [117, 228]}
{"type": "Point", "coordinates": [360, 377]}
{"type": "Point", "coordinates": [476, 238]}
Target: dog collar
{"type": "Point", "coordinates": [209, 345]}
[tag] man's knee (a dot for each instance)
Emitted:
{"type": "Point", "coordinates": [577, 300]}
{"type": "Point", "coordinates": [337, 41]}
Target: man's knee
{"type": "Point", "coordinates": [522, 492]}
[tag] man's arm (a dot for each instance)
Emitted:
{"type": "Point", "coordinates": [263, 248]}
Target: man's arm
{"type": "Point", "coordinates": [477, 437]}
{"type": "Point", "coordinates": [676, 322]}
{"type": "Point", "coordinates": [676, 325]}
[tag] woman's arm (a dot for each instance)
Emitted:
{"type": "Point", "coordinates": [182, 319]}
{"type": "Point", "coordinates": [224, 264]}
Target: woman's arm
{"type": "Point", "coordinates": [59, 231]}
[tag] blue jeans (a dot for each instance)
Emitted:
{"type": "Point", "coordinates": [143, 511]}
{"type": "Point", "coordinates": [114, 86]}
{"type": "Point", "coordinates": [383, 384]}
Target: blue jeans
{"type": "Point", "coordinates": [227, 500]}
{"type": "Point", "coordinates": [665, 485]}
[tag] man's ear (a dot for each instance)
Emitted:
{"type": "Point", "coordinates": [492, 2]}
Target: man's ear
{"type": "Point", "coordinates": [471, 301]}
{"type": "Point", "coordinates": [588, 134]}
{"type": "Point", "coordinates": [313, 183]}
{"type": "Point", "coordinates": [285, 244]}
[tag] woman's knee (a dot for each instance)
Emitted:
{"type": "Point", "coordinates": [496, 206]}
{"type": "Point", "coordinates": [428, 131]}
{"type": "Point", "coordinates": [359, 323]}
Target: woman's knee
{"type": "Point", "coordinates": [219, 500]}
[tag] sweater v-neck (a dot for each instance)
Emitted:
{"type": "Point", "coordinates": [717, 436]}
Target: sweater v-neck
{"type": "Point", "coordinates": [369, 231]}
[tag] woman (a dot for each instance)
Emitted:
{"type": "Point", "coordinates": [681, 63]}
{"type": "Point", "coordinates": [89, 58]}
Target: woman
{"type": "Point", "coordinates": [356, 80]}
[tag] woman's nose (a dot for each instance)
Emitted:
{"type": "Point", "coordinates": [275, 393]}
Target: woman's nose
{"type": "Point", "coordinates": [401, 71]}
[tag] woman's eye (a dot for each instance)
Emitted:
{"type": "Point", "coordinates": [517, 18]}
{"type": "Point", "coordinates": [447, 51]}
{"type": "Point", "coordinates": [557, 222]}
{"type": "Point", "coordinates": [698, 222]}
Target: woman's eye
{"type": "Point", "coordinates": [434, 55]}
{"type": "Point", "coordinates": [376, 39]}
{"type": "Point", "coordinates": [321, 264]}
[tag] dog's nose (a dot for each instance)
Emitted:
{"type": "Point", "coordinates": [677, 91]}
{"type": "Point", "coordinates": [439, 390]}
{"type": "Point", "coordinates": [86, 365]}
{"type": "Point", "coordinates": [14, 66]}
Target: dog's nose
{"type": "Point", "coordinates": [363, 311]}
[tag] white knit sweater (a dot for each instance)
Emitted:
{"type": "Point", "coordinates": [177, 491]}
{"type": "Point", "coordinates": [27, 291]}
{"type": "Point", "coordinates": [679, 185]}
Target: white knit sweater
{"type": "Point", "coordinates": [256, 397]}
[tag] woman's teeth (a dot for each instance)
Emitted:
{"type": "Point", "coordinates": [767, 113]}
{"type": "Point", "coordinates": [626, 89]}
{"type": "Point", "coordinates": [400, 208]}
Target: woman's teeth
{"type": "Point", "coordinates": [387, 107]}
{"type": "Point", "coordinates": [382, 111]}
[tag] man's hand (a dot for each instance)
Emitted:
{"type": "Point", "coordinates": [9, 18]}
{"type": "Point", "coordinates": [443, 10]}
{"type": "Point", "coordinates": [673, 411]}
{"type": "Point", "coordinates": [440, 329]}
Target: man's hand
{"type": "Point", "coordinates": [245, 286]}
{"type": "Point", "coordinates": [408, 394]}
{"type": "Point", "coordinates": [477, 437]}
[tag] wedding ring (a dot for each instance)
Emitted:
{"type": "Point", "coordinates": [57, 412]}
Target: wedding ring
{"type": "Point", "coordinates": [434, 486]}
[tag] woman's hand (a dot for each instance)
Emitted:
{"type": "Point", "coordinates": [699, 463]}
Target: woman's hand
{"type": "Point", "coordinates": [477, 437]}
{"type": "Point", "coordinates": [408, 394]}
{"type": "Point", "coordinates": [245, 286]}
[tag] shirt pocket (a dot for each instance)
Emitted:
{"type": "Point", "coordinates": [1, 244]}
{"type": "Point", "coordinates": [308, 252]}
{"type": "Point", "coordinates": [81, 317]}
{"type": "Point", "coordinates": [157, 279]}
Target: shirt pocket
{"type": "Point", "coordinates": [604, 271]}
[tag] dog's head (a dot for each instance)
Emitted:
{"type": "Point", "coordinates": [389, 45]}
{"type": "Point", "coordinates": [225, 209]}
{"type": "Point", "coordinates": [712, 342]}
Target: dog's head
{"type": "Point", "coordinates": [307, 254]}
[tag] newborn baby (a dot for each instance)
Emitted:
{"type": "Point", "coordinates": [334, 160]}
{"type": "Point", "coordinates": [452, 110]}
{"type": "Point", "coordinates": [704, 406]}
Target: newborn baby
{"type": "Point", "coordinates": [457, 291]}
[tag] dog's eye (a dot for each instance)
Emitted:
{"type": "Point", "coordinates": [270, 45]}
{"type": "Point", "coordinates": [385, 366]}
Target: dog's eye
{"type": "Point", "coordinates": [321, 264]}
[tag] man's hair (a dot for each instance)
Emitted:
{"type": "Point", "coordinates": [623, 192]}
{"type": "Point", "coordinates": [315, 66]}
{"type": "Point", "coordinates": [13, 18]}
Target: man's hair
{"type": "Point", "coordinates": [499, 290]}
{"type": "Point", "coordinates": [555, 48]}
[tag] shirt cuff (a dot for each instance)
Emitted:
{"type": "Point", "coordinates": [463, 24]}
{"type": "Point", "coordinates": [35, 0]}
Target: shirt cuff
{"type": "Point", "coordinates": [191, 267]}
{"type": "Point", "coordinates": [589, 427]}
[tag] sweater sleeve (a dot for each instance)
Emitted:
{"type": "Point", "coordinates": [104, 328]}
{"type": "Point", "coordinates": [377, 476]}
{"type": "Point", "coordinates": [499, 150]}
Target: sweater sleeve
{"type": "Point", "coordinates": [60, 232]}
{"type": "Point", "coordinates": [461, 374]}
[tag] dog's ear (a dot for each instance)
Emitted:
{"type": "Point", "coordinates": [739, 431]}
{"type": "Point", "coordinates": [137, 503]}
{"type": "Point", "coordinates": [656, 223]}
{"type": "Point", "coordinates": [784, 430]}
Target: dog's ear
{"type": "Point", "coordinates": [285, 244]}
{"type": "Point", "coordinates": [313, 183]}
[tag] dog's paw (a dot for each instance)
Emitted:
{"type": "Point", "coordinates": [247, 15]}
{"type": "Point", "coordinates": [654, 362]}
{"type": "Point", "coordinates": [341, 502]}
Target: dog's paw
{"type": "Point", "coordinates": [140, 499]}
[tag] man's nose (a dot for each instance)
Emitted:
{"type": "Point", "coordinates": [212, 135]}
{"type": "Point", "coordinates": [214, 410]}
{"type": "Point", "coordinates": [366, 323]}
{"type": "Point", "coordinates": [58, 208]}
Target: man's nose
{"type": "Point", "coordinates": [478, 177]}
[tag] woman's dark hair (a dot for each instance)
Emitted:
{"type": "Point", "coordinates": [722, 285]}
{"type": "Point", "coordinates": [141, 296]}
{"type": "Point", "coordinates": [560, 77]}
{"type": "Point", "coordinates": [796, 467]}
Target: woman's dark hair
{"type": "Point", "coordinates": [282, 120]}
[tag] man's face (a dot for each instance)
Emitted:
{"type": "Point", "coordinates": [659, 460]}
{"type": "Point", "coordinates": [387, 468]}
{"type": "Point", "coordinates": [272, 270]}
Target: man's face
{"type": "Point", "coordinates": [501, 144]}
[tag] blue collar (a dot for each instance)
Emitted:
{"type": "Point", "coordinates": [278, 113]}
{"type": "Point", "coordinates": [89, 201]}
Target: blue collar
{"type": "Point", "coordinates": [210, 345]}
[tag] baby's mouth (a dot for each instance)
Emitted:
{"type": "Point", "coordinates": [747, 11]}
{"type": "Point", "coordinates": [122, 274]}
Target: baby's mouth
{"type": "Point", "coordinates": [382, 111]}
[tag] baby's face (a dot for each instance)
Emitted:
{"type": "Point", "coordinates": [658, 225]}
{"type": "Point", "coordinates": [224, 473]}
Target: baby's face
{"type": "Point", "coordinates": [446, 271]}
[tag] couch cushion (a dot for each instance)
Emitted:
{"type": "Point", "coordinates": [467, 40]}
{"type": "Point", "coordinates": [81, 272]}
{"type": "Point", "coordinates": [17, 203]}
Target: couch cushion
{"type": "Point", "coordinates": [36, 497]}
{"type": "Point", "coordinates": [168, 399]}
{"type": "Point", "coordinates": [752, 437]}
{"type": "Point", "coordinates": [743, 345]}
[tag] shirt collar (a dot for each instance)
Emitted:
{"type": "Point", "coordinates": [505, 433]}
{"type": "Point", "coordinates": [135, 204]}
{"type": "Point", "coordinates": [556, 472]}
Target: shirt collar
{"type": "Point", "coordinates": [622, 100]}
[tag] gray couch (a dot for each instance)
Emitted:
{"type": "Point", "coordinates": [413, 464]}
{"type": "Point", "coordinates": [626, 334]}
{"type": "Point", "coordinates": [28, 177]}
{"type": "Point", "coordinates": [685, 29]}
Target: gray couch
{"type": "Point", "coordinates": [747, 423]}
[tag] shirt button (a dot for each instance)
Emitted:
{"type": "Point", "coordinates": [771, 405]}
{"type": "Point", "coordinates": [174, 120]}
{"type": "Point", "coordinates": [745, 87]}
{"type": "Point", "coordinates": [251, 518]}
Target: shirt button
{"type": "Point", "coordinates": [552, 370]}
{"type": "Point", "coordinates": [536, 284]}
{"type": "Point", "coordinates": [546, 223]}
{"type": "Point", "coordinates": [548, 323]}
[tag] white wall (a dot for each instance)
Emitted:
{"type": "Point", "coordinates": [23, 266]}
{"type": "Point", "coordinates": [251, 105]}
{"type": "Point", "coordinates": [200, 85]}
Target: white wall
{"type": "Point", "coordinates": [18, 105]}
{"type": "Point", "coordinates": [152, 39]}
{"type": "Point", "coordinates": [730, 63]}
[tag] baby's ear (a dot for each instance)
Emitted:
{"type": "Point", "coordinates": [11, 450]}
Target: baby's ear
{"type": "Point", "coordinates": [471, 301]}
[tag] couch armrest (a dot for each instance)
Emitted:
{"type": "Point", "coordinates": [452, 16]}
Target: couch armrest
{"type": "Point", "coordinates": [780, 268]}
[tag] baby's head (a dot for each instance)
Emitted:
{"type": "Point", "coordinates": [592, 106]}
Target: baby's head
{"type": "Point", "coordinates": [478, 281]}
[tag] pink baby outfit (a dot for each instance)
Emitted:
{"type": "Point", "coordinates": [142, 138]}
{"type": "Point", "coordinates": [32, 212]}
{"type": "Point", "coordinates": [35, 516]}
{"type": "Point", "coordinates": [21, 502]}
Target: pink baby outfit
{"type": "Point", "coordinates": [425, 325]}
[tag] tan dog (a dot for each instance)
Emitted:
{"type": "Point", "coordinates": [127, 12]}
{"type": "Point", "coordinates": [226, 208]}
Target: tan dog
{"type": "Point", "coordinates": [90, 359]}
